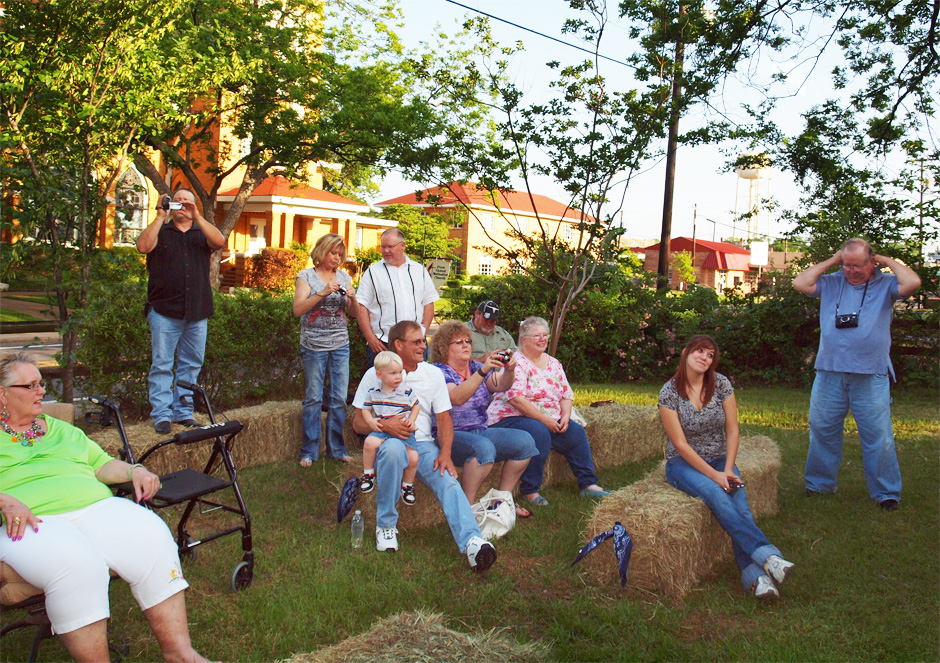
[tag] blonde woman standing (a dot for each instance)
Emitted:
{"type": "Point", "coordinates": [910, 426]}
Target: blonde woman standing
{"type": "Point", "coordinates": [322, 298]}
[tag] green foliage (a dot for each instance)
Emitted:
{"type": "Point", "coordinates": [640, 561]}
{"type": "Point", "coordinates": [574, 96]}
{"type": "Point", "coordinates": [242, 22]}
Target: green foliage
{"type": "Point", "coordinates": [114, 345]}
{"type": "Point", "coordinates": [682, 261]}
{"type": "Point", "coordinates": [426, 236]}
{"type": "Point", "coordinates": [275, 269]}
{"type": "Point", "coordinates": [252, 350]}
{"type": "Point", "coordinates": [365, 257]}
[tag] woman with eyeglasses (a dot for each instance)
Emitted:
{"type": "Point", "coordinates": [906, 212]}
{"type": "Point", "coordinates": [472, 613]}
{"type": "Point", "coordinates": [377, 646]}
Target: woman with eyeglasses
{"type": "Point", "coordinates": [470, 384]}
{"type": "Point", "coordinates": [65, 529]}
{"type": "Point", "coordinates": [539, 402]}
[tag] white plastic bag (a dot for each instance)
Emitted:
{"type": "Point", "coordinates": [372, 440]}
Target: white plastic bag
{"type": "Point", "coordinates": [495, 513]}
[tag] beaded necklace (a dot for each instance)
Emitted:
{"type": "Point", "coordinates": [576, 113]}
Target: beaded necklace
{"type": "Point", "coordinates": [26, 438]}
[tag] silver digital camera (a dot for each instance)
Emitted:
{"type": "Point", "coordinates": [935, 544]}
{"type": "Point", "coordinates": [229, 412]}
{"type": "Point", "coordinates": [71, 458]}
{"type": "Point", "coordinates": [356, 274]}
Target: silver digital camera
{"type": "Point", "coordinates": [167, 204]}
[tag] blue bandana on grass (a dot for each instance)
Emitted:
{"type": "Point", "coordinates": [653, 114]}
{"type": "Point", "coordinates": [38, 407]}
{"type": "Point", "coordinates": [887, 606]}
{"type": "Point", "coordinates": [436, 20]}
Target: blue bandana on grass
{"type": "Point", "coordinates": [623, 548]}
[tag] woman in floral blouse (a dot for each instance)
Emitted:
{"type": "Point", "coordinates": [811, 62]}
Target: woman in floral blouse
{"type": "Point", "coordinates": [539, 402]}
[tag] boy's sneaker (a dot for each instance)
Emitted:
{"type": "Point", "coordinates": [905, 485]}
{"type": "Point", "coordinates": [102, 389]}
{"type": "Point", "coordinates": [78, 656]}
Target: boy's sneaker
{"type": "Point", "coordinates": [778, 568]}
{"type": "Point", "coordinates": [408, 495]}
{"type": "Point", "coordinates": [366, 483]}
{"type": "Point", "coordinates": [763, 589]}
{"type": "Point", "coordinates": [480, 553]}
{"type": "Point", "coordinates": [386, 538]}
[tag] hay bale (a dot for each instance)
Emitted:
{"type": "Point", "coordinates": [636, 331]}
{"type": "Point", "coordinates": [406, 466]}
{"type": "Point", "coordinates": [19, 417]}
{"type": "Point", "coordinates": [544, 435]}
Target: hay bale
{"type": "Point", "coordinates": [421, 637]}
{"type": "Point", "coordinates": [272, 432]}
{"type": "Point", "coordinates": [676, 539]}
{"type": "Point", "coordinates": [619, 434]}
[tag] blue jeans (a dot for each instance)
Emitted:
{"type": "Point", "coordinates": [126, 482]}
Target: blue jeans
{"type": "Point", "coordinates": [869, 398]}
{"type": "Point", "coordinates": [492, 445]}
{"type": "Point", "coordinates": [572, 444]}
{"type": "Point", "coordinates": [186, 342]}
{"type": "Point", "coordinates": [751, 548]}
{"type": "Point", "coordinates": [317, 366]}
{"type": "Point", "coordinates": [390, 462]}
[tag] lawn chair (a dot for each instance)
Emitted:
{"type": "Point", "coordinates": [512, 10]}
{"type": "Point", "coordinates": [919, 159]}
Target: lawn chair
{"type": "Point", "coordinates": [192, 487]}
{"type": "Point", "coordinates": [17, 595]}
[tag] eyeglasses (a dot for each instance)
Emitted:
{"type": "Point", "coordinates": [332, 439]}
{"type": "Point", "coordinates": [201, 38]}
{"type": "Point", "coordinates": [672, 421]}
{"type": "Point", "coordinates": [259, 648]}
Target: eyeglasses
{"type": "Point", "coordinates": [537, 337]}
{"type": "Point", "coordinates": [32, 387]}
{"type": "Point", "coordinates": [420, 341]}
{"type": "Point", "coordinates": [389, 247]}
{"type": "Point", "coordinates": [462, 341]}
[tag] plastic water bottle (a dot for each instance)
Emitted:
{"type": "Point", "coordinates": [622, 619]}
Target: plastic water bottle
{"type": "Point", "coordinates": [358, 524]}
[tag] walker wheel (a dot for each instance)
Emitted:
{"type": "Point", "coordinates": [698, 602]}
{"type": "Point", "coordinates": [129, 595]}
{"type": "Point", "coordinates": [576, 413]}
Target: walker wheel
{"type": "Point", "coordinates": [242, 576]}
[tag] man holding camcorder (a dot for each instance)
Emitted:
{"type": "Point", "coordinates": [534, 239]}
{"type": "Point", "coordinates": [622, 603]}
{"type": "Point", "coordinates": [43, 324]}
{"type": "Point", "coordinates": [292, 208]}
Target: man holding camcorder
{"type": "Point", "coordinates": [179, 302]}
{"type": "Point", "coordinates": [853, 366]}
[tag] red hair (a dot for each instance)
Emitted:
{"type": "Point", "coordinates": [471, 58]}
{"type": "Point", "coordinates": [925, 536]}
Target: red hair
{"type": "Point", "coordinates": [681, 377]}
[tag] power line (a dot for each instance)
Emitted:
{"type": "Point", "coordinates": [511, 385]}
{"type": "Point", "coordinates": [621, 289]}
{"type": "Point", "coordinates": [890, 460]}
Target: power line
{"type": "Point", "coordinates": [540, 34]}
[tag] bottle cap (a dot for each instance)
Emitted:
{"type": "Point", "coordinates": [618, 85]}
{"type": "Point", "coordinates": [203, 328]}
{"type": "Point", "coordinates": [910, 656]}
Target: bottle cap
{"type": "Point", "coordinates": [358, 512]}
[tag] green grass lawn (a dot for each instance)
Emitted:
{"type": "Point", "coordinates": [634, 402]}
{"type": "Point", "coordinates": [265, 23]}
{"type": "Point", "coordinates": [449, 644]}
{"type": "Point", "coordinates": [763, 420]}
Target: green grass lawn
{"type": "Point", "coordinates": [9, 315]}
{"type": "Point", "coordinates": [865, 587]}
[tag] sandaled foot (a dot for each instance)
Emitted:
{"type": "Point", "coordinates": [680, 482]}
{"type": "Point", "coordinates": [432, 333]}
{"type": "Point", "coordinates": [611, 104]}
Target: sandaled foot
{"type": "Point", "coordinates": [344, 459]}
{"type": "Point", "coordinates": [522, 512]}
{"type": "Point", "coordinates": [306, 462]}
{"type": "Point", "coordinates": [536, 499]}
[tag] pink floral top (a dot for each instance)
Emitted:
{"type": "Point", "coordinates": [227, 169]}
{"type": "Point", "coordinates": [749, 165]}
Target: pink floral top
{"type": "Point", "coordinates": [544, 388]}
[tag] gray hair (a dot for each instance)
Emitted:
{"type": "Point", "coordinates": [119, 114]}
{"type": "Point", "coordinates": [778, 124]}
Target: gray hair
{"type": "Point", "coordinates": [397, 232]}
{"type": "Point", "coordinates": [9, 362]}
{"type": "Point", "coordinates": [528, 326]}
{"type": "Point", "coordinates": [858, 244]}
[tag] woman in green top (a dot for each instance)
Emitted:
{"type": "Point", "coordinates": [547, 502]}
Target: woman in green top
{"type": "Point", "coordinates": [65, 530]}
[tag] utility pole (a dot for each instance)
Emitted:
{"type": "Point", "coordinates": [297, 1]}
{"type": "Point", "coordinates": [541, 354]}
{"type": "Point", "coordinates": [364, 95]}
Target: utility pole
{"type": "Point", "coordinates": [694, 219]}
{"type": "Point", "coordinates": [663, 267]}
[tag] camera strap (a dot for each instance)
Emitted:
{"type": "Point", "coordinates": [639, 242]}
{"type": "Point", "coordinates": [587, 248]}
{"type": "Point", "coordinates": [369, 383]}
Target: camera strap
{"type": "Point", "coordinates": [842, 289]}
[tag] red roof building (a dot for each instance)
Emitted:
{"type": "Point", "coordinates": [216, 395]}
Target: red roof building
{"type": "Point", "coordinates": [480, 219]}
{"type": "Point", "coordinates": [718, 265]}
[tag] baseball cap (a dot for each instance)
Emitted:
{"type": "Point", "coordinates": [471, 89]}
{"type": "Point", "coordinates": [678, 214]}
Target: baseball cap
{"type": "Point", "coordinates": [489, 309]}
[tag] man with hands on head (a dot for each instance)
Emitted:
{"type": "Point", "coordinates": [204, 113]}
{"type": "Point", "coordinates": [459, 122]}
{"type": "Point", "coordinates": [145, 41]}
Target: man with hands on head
{"type": "Point", "coordinates": [853, 366]}
{"type": "Point", "coordinates": [178, 244]}
{"type": "Point", "coordinates": [435, 466]}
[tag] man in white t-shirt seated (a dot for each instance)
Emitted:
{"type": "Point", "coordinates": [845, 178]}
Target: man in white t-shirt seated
{"type": "Point", "coordinates": [435, 467]}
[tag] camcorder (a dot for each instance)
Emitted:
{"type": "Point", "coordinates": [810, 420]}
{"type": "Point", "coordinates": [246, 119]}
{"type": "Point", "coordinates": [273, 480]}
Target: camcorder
{"type": "Point", "coordinates": [504, 356]}
{"type": "Point", "coordinates": [846, 320]}
{"type": "Point", "coordinates": [342, 291]}
{"type": "Point", "coordinates": [167, 204]}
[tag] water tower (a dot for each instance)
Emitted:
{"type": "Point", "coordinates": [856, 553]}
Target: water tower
{"type": "Point", "coordinates": [754, 168]}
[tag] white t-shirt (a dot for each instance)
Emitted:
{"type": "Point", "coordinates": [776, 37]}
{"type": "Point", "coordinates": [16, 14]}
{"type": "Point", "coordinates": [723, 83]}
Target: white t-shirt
{"type": "Point", "coordinates": [427, 381]}
{"type": "Point", "coordinates": [392, 294]}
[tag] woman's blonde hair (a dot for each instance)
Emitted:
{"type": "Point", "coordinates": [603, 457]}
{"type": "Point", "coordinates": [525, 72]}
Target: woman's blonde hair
{"type": "Point", "coordinates": [324, 245]}
{"type": "Point", "coordinates": [442, 338]}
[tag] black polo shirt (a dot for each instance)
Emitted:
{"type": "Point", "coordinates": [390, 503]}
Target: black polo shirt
{"type": "Point", "coordinates": [179, 287]}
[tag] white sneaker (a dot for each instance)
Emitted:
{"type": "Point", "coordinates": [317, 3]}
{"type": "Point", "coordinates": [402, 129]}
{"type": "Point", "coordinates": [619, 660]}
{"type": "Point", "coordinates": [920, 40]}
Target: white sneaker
{"type": "Point", "coordinates": [763, 588]}
{"type": "Point", "coordinates": [480, 553]}
{"type": "Point", "coordinates": [778, 568]}
{"type": "Point", "coordinates": [386, 538]}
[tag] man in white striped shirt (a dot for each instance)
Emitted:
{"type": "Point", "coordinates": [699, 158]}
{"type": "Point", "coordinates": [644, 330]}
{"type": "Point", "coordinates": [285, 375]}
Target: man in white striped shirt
{"type": "Point", "coordinates": [393, 289]}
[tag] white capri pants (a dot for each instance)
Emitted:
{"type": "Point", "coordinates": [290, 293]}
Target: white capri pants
{"type": "Point", "coordinates": [69, 557]}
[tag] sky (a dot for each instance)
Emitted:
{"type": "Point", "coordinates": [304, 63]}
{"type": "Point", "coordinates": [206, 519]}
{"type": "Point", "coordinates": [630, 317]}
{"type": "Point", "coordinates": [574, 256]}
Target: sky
{"type": "Point", "coordinates": [704, 189]}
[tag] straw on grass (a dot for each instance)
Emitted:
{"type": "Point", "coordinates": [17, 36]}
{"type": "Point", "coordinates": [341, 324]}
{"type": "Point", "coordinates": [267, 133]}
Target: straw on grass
{"type": "Point", "coordinates": [423, 637]}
